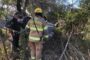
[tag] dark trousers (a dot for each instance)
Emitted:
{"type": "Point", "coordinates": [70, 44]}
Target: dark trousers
{"type": "Point", "coordinates": [15, 42]}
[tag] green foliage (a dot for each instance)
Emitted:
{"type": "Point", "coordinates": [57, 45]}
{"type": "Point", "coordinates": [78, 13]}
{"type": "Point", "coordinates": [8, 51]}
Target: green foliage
{"type": "Point", "coordinates": [75, 19]}
{"type": "Point", "coordinates": [52, 16]}
{"type": "Point", "coordinates": [1, 33]}
{"type": "Point", "coordinates": [8, 1]}
{"type": "Point", "coordinates": [2, 14]}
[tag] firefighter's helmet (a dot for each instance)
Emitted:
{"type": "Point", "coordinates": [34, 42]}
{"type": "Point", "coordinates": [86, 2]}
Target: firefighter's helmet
{"type": "Point", "coordinates": [38, 10]}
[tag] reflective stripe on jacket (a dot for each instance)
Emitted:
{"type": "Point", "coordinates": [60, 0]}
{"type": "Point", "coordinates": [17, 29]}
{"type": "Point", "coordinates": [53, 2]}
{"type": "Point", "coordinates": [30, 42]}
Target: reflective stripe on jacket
{"type": "Point", "coordinates": [36, 39]}
{"type": "Point", "coordinates": [36, 29]}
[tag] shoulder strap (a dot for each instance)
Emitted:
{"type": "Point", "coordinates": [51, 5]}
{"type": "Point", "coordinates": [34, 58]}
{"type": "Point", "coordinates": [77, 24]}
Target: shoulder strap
{"type": "Point", "coordinates": [41, 38]}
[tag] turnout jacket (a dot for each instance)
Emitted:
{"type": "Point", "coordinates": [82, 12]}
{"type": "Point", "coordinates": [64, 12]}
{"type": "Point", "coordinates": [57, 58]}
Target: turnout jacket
{"type": "Point", "coordinates": [38, 28]}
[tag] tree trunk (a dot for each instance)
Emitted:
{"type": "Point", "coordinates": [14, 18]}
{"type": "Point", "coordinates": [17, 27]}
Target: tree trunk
{"type": "Point", "coordinates": [19, 5]}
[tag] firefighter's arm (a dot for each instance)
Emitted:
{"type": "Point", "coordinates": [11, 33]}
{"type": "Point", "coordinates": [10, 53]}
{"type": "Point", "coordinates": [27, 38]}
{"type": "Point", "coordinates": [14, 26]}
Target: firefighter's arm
{"type": "Point", "coordinates": [28, 26]}
{"type": "Point", "coordinates": [45, 37]}
{"type": "Point", "coordinates": [25, 21]}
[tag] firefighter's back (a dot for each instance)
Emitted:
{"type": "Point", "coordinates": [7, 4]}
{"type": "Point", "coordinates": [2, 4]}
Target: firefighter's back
{"type": "Point", "coordinates": [36, 28]}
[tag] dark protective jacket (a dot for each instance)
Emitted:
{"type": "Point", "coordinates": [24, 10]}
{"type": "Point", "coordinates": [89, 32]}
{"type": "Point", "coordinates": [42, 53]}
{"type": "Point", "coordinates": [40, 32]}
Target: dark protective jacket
{"type": "Point", "coordinates": [17, 25]}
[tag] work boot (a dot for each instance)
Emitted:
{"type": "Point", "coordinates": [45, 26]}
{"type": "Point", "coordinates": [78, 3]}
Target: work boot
{"type": "Point", "coordinates": [33, 58]}
{"type": "Point", "coordinates": [38, 59]}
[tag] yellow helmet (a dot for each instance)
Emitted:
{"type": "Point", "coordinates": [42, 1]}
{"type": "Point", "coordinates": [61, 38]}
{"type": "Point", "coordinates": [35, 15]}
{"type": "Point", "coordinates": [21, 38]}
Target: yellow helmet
{"type": "Point", "coordinates": [38, 10]}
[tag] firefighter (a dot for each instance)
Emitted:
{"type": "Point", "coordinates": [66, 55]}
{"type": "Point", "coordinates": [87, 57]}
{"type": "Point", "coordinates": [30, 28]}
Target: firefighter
{"type": "Point", "coordinates": [14, 25]}
{"type": "Point", "coordinates": [37, 27]}
{"type": "Point", "coordinates": [17, 23]}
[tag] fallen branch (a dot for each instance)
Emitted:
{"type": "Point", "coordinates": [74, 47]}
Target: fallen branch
{"type": "Point", "coordinates": [66, 45]}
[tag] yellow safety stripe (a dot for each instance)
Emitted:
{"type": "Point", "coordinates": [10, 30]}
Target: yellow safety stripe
{"type": "Point", "coordinates": [34, 29]}
{"type": "Point", "coordinates": [39, 29]}
{"type": "Point", "coordinates": [46, 36]}
{"type": "Point", "coordinates": [34, 38]}
{"type": "Point", "coordinates": [46, 27]}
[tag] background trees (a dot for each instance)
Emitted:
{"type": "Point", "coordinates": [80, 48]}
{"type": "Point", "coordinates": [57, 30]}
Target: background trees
{"type": "Point", "coordinates": [76, 19]}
